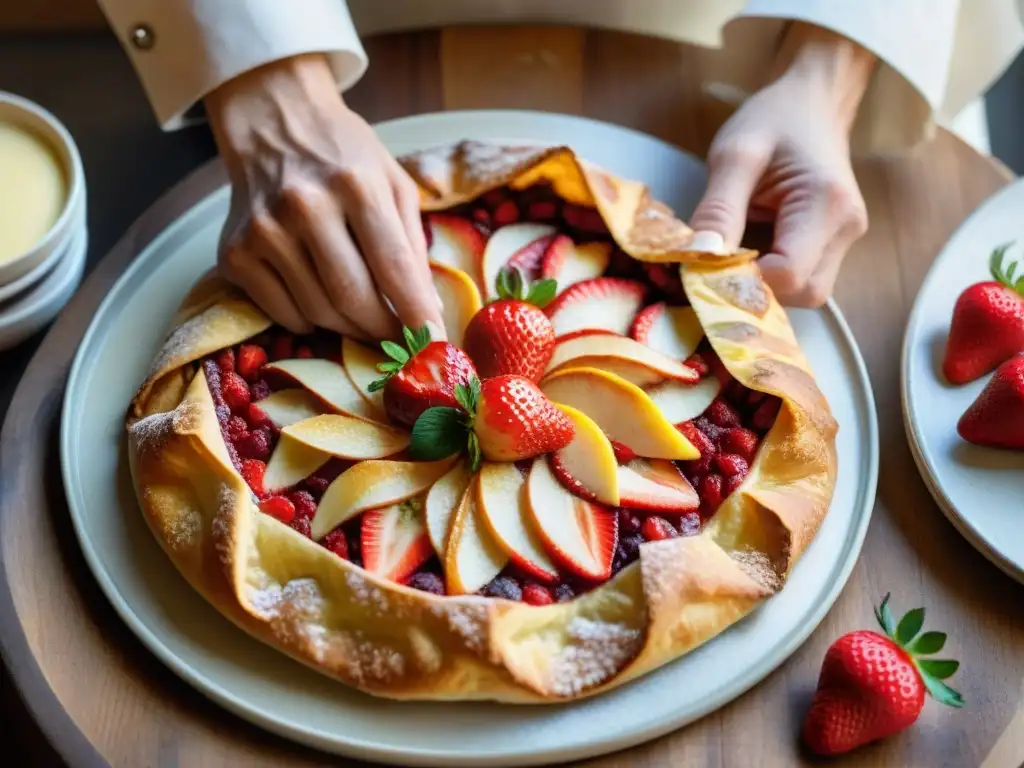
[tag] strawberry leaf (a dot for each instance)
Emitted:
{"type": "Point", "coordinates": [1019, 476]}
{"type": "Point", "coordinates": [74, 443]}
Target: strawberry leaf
{"type": "Point", "coordinates": [389, 366]}
{"type": "Point", "coordinates": [378, 384]}
{"type": "Point", "coordinates": [475, 456]}
{"type": "Point", "coordinates": [421, 338]}
{"type": "Point", "coordinates": [438, 432]}
{"type": "Point", "coordinates": [940, 669]}
{"type": "Point", "coordinates": [929, 642]}
{"type": "Point", "coordinates": [395, 352]}
{"type": "Point", "coordinates": [509, 283]}
{"type": "Point", "coordinates": [1001, 274]}
{"type": "Point", "coordinates": [909, 626]}
{"type": "Point", "coordinates": [410, 340]}
{"type": "Point", "coordinates": [464, 397]}
{"type": "Point", "coordinates": [941, 692]}
{"type": "Point", "coordinates": [542, 292]}
{"type": "Point", "coordinates": [884, 616]}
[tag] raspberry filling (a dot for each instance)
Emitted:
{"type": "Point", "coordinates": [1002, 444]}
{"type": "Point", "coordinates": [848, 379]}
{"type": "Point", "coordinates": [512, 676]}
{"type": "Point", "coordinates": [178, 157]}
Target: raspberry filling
{"type": "Point", "coordinates": [727, 434]}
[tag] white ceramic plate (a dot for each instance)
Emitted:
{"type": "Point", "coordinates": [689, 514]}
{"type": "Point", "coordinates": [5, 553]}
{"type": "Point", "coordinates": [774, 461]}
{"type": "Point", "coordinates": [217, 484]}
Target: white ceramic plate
{"type": "Point", "coordinates": [981, 490]}
{"type": "Point", "coordinates": [265, 687]}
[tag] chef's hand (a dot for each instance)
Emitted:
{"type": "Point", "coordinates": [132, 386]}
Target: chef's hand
{"type": "Point", "coordinates": [324, 227]}
{"type": "Point", "coordinates": [784, 157]}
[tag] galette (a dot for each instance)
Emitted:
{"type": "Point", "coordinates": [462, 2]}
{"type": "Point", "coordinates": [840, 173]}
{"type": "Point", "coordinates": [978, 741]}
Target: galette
{"type": "Point", "coordinates": [618, 451]}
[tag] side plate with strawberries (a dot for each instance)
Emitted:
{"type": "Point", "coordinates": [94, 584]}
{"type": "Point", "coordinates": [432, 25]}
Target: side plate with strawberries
{"type": "Point", "coordinates": [963, 380]}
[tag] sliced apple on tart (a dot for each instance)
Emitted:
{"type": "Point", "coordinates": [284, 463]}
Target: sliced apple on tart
{"type": "Point", "coordinates": [634, 362]}
{"type": "Point", "coordinates": [290, 406]}
{"type": "Point", "coordinates": [473, 556]}
{"type": "Point", "coordinates": [373, 484]}
{"type": "Point", "coordinates": [329, 382]}
{"type": "Point", "coordinates": [504, 508]}
{"type": "Point", "coordinates": [622, 410]}
{"type": "Point", "coordinates": [460, 298]}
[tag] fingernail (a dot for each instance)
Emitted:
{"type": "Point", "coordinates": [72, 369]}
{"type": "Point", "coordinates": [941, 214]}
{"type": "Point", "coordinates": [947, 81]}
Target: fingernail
{"type": "Point", "coordinates": [707, 241]}
{"type": "Point", "coordinates": [437, 333]}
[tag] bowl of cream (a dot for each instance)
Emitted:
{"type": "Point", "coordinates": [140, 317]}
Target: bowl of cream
{"type": "Point", "coordinates": [42, 191]}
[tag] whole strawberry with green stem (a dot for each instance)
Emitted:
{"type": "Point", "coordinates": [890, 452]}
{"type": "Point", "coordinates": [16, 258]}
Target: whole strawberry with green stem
{"type": "Point", "coordinates": [504, 418]}
{"type": "Point", "coordinates": [873, 685]}
{"type": "Point", "coordinates": [512, 335]}
{"type": "Point", "coordinates": [421, 375]}
{"type": "Point", "coordinates": [988, 323]}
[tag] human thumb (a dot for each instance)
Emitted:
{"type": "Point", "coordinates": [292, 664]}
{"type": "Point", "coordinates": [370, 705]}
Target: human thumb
{"type": "Point", "coordinates": [732, 179]}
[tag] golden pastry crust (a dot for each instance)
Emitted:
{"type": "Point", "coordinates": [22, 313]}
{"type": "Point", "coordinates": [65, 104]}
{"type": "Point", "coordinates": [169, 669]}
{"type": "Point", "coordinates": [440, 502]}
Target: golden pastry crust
{"type": "Point", "coordinates": [397, 642]}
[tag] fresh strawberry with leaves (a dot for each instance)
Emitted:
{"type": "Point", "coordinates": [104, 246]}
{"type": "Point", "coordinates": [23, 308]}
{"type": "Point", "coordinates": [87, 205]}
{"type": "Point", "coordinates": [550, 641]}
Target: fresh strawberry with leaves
{"type": "Point", "coordinates": [996, 418]}
{"type": "Point", "coordinates": [988, 323]}
{"type": "Point", "coordinates": [512, 335]}
{"type": "Point", "coordinates": [423, 374]}
{"type": "Point", "coordinates": [505, 418]}
{"type": "Point", "coordinates": [873, 685]}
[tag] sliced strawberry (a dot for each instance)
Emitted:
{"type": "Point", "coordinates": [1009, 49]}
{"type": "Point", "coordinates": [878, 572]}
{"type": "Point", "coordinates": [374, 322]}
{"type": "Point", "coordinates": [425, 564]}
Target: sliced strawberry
{"type": "Point", "coordinates": [656, 484]}
{"type": "Point", "coordinates": [537, 594]}
{"type": "Point", "coordinates": [568, 263]}
{"type": "Point", "coordinates": [676, 332]}
{"type": "Point", "coordinates": [740, 441]}
{"type": "Point", "coordinates": [581, 535]}
{"type": "Point", "coordinates": [456, 243]}
{"type": "Point", "coordinates": [226, 360]}
{"type": "Point", "coordinates": [519, 245]}
{"type": "Point", "coordinates": [394, 540]}
{"type": "Point", "coordinates": [623, 453]}
{"type": "Point", "coordinates": [251, 359]}
{"type": "Point", "coordinates": [604, 303]}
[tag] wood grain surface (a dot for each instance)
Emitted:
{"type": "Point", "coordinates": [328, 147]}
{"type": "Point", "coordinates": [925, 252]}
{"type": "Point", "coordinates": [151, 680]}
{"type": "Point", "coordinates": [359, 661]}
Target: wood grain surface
{"type": "Point", "coordinates": [101, 698]}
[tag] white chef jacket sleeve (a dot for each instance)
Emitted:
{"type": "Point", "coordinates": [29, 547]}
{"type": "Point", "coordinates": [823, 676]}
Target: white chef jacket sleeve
{"type": "Point", "coordinates": [184, 49]}
{"type": "Point", "coordinates": [935, 56]}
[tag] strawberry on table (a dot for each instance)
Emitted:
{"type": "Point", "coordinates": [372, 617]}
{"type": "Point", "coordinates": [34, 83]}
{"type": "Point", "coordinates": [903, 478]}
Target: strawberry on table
{"type": "Point", "coordinates": [873, 685]}
{"type": "Point", "coordinates": [421, 375]}
{"type": "Point", "coordinates": [988, 323]}
{"type": "Point", "coordinates": [512, 335]}
{"type": "Point", "coordinates": [996, 418]}
{"type": "Point", "coordinates": [505, 418]}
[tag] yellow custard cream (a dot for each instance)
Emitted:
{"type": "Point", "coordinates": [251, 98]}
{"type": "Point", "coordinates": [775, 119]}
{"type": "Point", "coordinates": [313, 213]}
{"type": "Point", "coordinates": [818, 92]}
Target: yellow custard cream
{"type": "Point", "coordinates": [32, 190]}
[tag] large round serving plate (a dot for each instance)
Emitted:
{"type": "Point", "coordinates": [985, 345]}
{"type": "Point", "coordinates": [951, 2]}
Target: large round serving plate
{"type": "Point", "coordinates": [980, 490]}
{"type": "Point", "coordinates": [273, 691]}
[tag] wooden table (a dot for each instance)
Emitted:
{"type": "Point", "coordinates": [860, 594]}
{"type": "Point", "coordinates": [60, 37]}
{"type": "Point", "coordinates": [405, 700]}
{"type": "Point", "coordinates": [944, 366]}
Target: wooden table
{"type": "Point", "coordinates": [100, 697]}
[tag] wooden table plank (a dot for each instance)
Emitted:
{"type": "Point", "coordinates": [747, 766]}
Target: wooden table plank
{"type": "Point", "coordinates": [149, 717]}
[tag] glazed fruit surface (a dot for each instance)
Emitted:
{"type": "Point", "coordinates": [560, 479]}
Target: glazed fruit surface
{"type": "Point", "coordinates": [727, 433]}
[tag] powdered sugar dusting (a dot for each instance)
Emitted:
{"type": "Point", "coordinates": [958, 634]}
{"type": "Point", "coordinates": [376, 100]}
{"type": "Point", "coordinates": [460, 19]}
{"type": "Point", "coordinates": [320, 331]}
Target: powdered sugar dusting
{"type": "Point", "coordinates": [597, 651]}
{"type": "Point", "coordinates": [490, 162]}
{"type": "Point", "coordinates": [150, 433]}
{"type": "Point", "coordinates": [222, 524]}
{"type": "Point", "coordinates": [187, 338]}
{"type": "Point", "coordinates": [368, 595]}
{"type": "Point", "coordinates": [467, 620]}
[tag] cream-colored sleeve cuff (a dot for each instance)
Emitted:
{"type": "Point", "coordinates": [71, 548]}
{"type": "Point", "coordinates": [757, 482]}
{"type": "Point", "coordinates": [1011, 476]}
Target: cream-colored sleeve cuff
{"type": "Point", "coordinates": [913, 40]}
{"type": "Point", "coordinates": [183, 49]}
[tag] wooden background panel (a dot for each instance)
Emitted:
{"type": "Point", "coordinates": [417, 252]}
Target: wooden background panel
{"type": "Point", "coordinates": [149, 717]}
{"type": "Point", "coordinates": [50, 16]}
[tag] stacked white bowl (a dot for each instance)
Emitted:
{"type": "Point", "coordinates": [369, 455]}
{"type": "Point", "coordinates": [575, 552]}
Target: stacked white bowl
{"type": "Point", "coordinates": [43, 235]}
